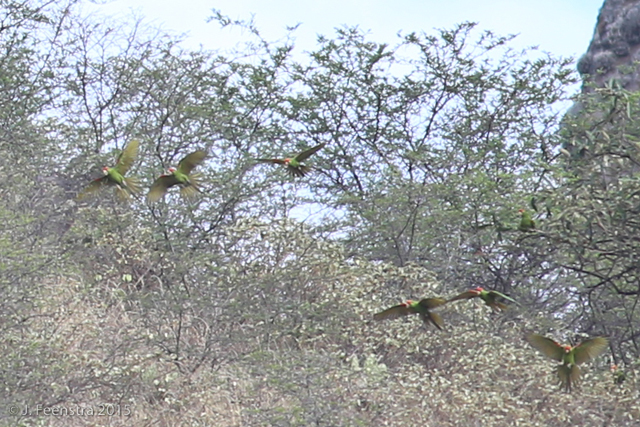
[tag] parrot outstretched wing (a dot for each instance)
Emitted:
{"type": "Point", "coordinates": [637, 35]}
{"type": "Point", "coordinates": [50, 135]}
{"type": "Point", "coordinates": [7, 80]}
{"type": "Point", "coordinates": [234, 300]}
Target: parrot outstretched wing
{"type": "Point", "coordinates": [93, 187]}
{"type": "Point", "coordinates": [546, 346]}
{"type": "Point", "coordinates": [127, 157]}
{"type": "Point", "coordinates": [192, 160]}
{"type": "Point", "coordinates": [307, 153]}
{"type": "Point", "coordinates": [590, 349]}
{"type": "Point", "coordinates": [160, 187]}
{"type": "Point", "coordinates": [465, 295]}
{"type": "Point", "coordinates": [393, 312]}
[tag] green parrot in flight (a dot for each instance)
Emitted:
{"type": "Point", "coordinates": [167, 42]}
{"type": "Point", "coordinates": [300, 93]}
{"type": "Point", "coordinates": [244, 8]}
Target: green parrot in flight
{"type": "Point", "coordinates": [568, 373]}
{"type": "Point", "coordinates": [489, 297]}
{"type": "Point", "coordinates": [422, 307]}
{"type": "Point", "coordinates": [115, 176]}
{"type": "Point", "coordinates": [526, 222]}
{"type": "Point", "coordinates": [181, 176]}
{"type": "Point", "coordinates": [294, 165]}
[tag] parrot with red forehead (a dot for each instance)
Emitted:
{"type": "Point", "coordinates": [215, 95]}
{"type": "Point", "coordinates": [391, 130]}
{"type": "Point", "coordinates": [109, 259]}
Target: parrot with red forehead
{"type": "Point", "coordinates": [115, 176]}
{"type": "Point", "coordinates": [489, 297]}
{"type": "Point", "coordinates": [526, 221]}
{"type": "Point", "coordinates": [189, 183]}
{"type": "Point", "coordinates": [569, 372]}
{"type": "Point", "coordinates": [294, 164]}
{"type": "Point", "coordinates": [422, 307]}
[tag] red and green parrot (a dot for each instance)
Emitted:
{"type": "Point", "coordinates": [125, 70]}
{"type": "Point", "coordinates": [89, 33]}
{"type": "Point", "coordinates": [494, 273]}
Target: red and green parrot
{"type": "Point", "coordinates": [526, 222]}
{"type": "Point", "coordinates": [115, 176]}
{"type": "Point", "coordinates": [489, 297]}
{"type": "Point", "coordinates": [422, 307]}
{"type": "Point", "coordinates": [568, 373]}
{"type": "Point", "coordinates": [181, 176]}
{"type": "Point", "coordinates": [294, 164]}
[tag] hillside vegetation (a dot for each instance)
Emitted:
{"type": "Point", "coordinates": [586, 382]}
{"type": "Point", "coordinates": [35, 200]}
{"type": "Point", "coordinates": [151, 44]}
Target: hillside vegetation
{"type": "Point", "coordinates": [253, 304]}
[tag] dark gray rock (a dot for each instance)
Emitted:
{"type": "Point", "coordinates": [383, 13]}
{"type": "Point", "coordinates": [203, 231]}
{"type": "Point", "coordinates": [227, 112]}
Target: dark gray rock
{"type": "Point", "coordinates": [615, 44]}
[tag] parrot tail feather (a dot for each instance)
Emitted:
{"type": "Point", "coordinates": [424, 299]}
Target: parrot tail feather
{"type": "Point", "coordinates": [122, 193]}
{"type": "Point", "coordinates": [569, 376]}
{"type": "Point", "coordinates": [190, 191]}
{"type": "Point", "coordinates": [299, 171]}
{"type": "Point", "coordinates": [132, 184]}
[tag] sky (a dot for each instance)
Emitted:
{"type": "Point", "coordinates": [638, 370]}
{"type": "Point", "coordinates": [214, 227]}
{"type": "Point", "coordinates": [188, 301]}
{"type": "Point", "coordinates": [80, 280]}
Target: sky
{"type": "Point", "coordinates": [562, 27]}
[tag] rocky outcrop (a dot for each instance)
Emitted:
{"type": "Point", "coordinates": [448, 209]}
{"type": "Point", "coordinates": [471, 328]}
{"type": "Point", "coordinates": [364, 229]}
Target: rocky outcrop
{"type": "Point", "coordinates": [614, 51]}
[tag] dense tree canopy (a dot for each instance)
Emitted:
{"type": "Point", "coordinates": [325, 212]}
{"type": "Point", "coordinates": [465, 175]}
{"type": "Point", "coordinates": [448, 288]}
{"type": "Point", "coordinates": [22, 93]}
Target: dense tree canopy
{"type": "Point", "coordinates": [254, 303]}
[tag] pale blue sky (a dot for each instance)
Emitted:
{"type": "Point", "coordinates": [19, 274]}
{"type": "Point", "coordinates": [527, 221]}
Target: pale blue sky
{"type": "Point", "coordinates": [563, 27]}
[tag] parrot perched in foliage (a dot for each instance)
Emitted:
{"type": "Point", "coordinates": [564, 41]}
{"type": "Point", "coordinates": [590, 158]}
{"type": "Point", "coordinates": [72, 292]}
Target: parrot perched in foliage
{"type": "Point", "coordinates": [422, 307]}
{"type": "Point", "coordinates": [179, 176]}
{"type": "Point", "coordinates": [618, 375]}
{"type": "Point", "coordinates": [294, 165]}
{"type": "Point", "coordinates": [526, 223]}
{"type": "Point", "coordinates": [115, 176]}
{"type": "Point", "coordinates": [568, 373]}
{"type": "Point", "coordinates": [489, 297]}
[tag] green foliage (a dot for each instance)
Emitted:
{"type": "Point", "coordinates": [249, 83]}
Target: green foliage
{"type": "Point", "coordinates": [232, 309]}
{"type": "Point", "coordinates": [593, 226]}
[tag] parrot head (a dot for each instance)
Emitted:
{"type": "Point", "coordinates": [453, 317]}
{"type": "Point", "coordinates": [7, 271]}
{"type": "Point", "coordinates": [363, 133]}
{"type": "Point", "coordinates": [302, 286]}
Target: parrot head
{"type": "Point", "coordinates": [105, 170]}
{"type": "Point", "coordinates": [479, 289]}
{"type": "Point", "coordinates": [287, 160]}
{"type": "Point", "coordinates": [407, 303]}
{"type": "Point", "coordinates": [171, 170]}
{"type": "Point", "coordinates": [614, 367]}
{"type": "Point", "coordinates": [520, 211]}
{"type": "Point", "coordinates": [567, 348]}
